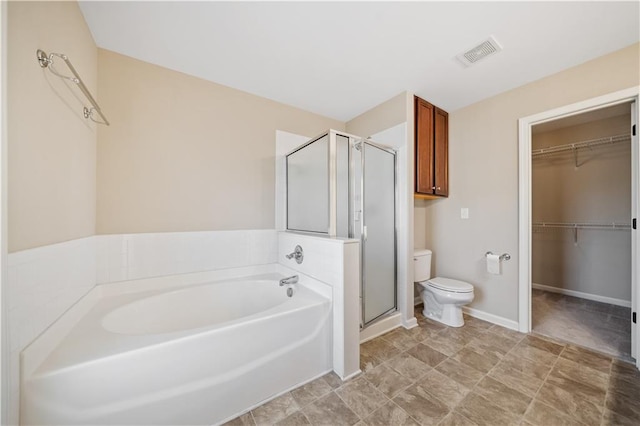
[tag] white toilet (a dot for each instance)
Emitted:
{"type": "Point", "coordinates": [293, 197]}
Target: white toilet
{"type": "Point", "coordinates": [443, 297]}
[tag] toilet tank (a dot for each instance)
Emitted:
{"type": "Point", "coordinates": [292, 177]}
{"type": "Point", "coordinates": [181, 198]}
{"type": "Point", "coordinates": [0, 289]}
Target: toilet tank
{"type": "Point", "coordinates": [421, 265]}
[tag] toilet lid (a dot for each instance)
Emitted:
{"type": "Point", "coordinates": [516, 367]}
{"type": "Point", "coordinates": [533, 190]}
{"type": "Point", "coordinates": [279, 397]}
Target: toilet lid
{"type": "Point", "coordinates": [447, 284]}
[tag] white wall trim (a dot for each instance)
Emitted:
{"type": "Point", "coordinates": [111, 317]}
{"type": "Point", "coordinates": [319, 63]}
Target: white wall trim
{"type": "Point", "coordinates": [495, 319]}
{"type": "Point", "coordinates": [583, 295]}
{"type": "Point", "coordinates": [524, 186]}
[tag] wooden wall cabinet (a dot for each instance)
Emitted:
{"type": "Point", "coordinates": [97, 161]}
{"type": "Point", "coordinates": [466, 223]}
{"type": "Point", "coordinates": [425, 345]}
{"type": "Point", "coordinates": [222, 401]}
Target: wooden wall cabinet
{"type": "Point", "coordinates": [431, 150]}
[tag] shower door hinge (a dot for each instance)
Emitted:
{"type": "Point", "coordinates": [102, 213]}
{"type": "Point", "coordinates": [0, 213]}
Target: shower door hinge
{"type": "Point", "coordinates": [633, 318]}
{"type": "Point", "coordinates": [633, 223]}
{"type": "Point", "coordinates": [633, 130]}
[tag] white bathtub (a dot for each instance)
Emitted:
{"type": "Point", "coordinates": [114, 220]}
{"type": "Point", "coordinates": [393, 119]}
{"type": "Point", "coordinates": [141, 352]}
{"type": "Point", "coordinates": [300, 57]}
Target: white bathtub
{"type": "Point", "coordinates": [195, 354]}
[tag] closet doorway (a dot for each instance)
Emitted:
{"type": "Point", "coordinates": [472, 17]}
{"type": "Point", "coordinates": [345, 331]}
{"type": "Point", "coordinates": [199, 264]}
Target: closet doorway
{"type": "Point", "coordinates": [526, 126]}
{"type": "Point", "coordinates": [581, 229]}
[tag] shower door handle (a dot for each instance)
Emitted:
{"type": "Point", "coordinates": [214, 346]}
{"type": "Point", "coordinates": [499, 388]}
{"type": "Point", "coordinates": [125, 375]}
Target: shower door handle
{"type": "Point", "coordinates": [364, 233]}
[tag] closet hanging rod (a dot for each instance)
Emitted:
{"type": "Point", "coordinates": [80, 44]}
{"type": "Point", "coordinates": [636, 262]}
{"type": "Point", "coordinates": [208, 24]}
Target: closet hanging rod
{"type": "Point", "coordinates": [565, 225]}
{"type": "Point", "coordinates": [582, 144]}
{"type": "Point", "coordinates": [47, 62]}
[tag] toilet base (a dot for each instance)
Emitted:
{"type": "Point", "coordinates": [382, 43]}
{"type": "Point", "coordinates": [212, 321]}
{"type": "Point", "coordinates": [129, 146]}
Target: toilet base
{"type": "Point", "coordinates": [450, 315]}
{"type": "Point", "coordinates": [446, 313]}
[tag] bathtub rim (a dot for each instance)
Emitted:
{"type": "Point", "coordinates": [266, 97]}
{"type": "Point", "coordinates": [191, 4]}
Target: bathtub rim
{"type": "Point", "coordinates": [109, 345]}
{"type": "Point", "coordinates": [107, 320]}
{"type": "Point", "coordinates": [32, 357]}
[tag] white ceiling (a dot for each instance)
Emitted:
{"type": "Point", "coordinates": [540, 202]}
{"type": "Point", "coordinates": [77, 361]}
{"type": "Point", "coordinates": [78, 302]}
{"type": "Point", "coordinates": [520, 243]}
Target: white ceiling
{"type": "Point", "coordinates": [339, 59]}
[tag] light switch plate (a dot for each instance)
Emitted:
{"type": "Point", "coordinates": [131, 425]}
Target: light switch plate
{"type": "Point", "coordinates": [464, 213]}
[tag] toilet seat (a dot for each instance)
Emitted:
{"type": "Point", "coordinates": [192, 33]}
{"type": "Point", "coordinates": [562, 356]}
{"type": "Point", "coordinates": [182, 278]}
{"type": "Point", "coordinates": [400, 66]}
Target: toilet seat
{"type": "Point", "coordinates": [450, 285]}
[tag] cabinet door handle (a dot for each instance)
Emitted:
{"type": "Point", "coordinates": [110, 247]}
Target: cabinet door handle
{"type": "Point", "coordinates": [433, 187]}
{"type": "Point", "coordinates": [438, 188]}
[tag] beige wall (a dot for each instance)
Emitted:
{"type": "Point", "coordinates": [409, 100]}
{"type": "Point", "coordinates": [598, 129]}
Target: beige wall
{"type": "Point", "coordinates": [51, 164]}
{"type": "Point", "coordinates": [597, 191]}
{"type": "Point", "coordinates": [483, 175]}
{"type": "Point", "coordinates": [51, 146]}
{"type": "Point", "coordinates": [185, 154]}
{"type": "Point", "coordinates": [381, 117]}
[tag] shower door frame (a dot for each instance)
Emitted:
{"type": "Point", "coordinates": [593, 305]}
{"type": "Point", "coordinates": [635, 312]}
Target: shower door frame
{"type": "Point", "coordinates": [332, 165]}
{"type": "Point", "coordinates": [358, 145]}
{"type": "Point", "coordinates": [332, 203]}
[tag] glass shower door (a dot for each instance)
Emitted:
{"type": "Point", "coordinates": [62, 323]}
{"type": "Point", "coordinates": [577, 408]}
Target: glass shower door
{"type": "Point", "coordinates": [378, 231]}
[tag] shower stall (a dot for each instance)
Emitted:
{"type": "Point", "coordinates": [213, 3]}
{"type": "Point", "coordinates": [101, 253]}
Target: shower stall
{"type": "Point", "coordinates": [341, 185]}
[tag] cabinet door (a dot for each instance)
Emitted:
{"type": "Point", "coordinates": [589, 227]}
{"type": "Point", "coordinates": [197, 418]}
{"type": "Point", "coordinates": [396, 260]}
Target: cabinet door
{"type": "Point", "coordinates": [441, 148]}
{"type": "Point", "coordinates": [424, 146]}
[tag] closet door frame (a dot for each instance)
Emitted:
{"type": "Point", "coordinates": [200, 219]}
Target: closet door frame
{"type": "Point", "coordinates": [4, 339]}
{"type": "Point", "coordinates": [635, 248]}
{"type": "Point", "coordinates": [525, 124]}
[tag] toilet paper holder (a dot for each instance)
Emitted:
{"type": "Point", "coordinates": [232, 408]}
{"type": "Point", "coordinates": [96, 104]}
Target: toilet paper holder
{"type": "Point", "coordinates": [503, 256]}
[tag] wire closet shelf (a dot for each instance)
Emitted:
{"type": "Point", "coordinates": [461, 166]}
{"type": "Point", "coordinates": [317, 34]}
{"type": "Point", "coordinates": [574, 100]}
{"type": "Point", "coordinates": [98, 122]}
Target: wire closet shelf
{"type": "Point", "coordinates": [591, 143]}
{"type": "Point", "coordinates": [539, 227]}
{"type": "Point", "coordinates": [578, 225]}
{"type": "Point", "coordinates": [47, 61]}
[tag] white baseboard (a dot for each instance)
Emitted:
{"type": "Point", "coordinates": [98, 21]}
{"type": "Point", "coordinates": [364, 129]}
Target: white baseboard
{"type": "Point", "coordinates": [409, 324]}
{"type": "Point", "coordinates": [582, 295]}
{"type": "Point", "coordinates": [351, 376]}
{"type": "Point", "coordinates": [495, 319]}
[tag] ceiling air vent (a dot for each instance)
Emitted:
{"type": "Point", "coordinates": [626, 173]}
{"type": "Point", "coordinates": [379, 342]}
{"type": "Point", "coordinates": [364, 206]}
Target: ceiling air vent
{"type": "Point", "coordinates": [487, 48]}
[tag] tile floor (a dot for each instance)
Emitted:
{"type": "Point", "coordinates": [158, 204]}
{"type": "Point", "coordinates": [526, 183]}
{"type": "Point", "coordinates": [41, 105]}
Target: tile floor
{"type": "Point", "coordinates": [599, 326]}
{"type": "Point", "coordinates": [480, 374]}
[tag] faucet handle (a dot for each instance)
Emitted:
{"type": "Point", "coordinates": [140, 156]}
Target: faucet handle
{"type": "Point", "coordinates": [298, 254]}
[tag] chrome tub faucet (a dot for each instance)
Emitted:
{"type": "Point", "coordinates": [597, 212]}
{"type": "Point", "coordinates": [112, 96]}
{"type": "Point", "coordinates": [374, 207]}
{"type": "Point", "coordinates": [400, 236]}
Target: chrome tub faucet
{"type": "Point", "coordinates": [289, 280]}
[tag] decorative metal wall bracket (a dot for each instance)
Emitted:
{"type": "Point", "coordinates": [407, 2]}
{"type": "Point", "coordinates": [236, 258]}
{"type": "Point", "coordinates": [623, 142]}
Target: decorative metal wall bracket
{"type": "Point", "coordinates": [48, 62]}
